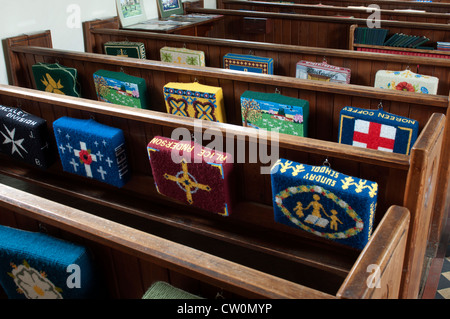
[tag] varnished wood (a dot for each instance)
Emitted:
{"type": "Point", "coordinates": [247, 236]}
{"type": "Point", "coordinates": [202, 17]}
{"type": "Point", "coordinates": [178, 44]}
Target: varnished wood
{"type": "Point", "coordinates": [105, 237]}
{"type": "Point", "coordinates": [435, 6]}
{"type": "Point", "coordinates": [316, 31]}
{"type": "Point", "coordinates": [248, 212]}
{"type": "Point", "coordinates": [390, 165]}
{"type": "Point", "coordinates": [336, 10]}
{"type": "Point", "coordinates": [364, 65]}
{"type": "Point", "coordinates": [358, 283]}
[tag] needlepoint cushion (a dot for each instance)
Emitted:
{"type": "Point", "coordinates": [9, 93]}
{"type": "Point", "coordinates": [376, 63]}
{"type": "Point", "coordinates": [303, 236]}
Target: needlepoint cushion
{"type": "Point", "coordinates": [92, 150]}
{"type": "Point", "coordinates": [322, 72]}
{"type": "Point", "coordinates": [125, 49]}
{"type": "Point", "coordinates": [120, 88]}
{"type": "Point", "coordinates": [182, 56]}
{"type": "Point", "coordinates": [248, 63]}
{"type": "Point", "coordinates": [273, 111]}
{"type": "Point", "coordinates": [406, 81]}
{"type": "Point", "coordinates": [377, 129]}
{"type": "Point", "coordinates": [324, 202]}
{"type": "Point", "coordinates": [195, 100]}
{"type": "Point", "coordinates": [56, 78]}
{"type": "Point", "coordinates": [163, 290]}
{"type": "Point", "coordinates": [38, 266]}
{"type": "Point", "coordinates": [192, 174]}
{"type": "Point", "coordinates": [25, 137]}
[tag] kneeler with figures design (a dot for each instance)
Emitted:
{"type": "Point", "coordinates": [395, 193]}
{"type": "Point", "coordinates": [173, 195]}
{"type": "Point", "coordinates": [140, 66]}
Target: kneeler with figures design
{"type": "Point", "coordinates": [192, 174]}
{"type": "Point", "coordinates": [324, 202]}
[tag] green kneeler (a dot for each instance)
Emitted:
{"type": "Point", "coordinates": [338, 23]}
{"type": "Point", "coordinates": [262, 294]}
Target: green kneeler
{"type": "Point", "coordinates": [163, 290]}
{"type": "Point", "coordinates": [121, 88]}
{"type": "Point", "coordinates": [56, 78]}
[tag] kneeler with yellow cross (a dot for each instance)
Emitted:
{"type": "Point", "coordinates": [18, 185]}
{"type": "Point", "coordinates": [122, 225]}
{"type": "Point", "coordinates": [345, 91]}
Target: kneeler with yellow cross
{"type": "Point", "coordinates": [192, 174]}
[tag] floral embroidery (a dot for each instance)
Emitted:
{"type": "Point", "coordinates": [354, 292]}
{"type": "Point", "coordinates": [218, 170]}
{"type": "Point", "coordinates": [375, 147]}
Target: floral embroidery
{"type": "Point", "coordinates": [85, 157]}
{"type": "Point", "coordinates": [405, 86]}
{"type": "Point", "coordinates": [33, 284]}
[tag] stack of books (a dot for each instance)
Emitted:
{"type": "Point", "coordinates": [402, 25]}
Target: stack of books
{"type": "Point", "coordinates": [406, 41]}
{"type": "Point", "coordinates": [443, 46]}
{"type": "Point", "coordinates": [370, 36]}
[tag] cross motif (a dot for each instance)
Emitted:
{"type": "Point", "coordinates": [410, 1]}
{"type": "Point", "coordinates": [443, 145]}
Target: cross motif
{"type": "Point", "coordinates": [187, 182]}
{"type": "Point", "coordinates": [85, 157]}
{"type": "Point", "coordinates": [74, 164]}
{"type": "Point", "coordinates": [371, 135]}
{"type": "Point", "coordinates": [102, 172]}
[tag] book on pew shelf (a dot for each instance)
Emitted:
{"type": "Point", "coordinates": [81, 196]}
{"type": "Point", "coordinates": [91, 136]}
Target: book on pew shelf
{"type": "Point", "coordinates": [377, 129]}
{"type": "Point", "coordinates": [25, 137]}
{"type": "Point", "coordinates": [195, 100]}
{"type": "Point", "coordinates": [391, 39]}
{"type": "Point", "coordinates": [419, 42]}
{"type": "Point", "coordinates": [192, 174]}
{"type": "Point", "coordinates": [273, 111]}
{"type": "Point", "coordinates": [92, 150]}
{"type": "Point", "coordinates": [324, 202]}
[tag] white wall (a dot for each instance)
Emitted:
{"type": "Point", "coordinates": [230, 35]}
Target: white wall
{"type": "Point", "coordinates": [62, 17]}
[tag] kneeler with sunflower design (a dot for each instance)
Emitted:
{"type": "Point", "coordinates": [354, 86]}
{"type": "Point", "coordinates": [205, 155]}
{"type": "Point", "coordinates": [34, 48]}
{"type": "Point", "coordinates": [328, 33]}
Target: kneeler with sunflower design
{"type": "Point", "coordinates": [324, 202]}
{"type": "Point", "coordinates": [92, 150]}
{"type": "Point", "coordinates": [38, 266]}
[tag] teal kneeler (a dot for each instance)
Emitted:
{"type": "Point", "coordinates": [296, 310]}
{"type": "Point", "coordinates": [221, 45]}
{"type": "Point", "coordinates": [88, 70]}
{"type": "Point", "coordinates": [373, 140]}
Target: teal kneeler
{"type": "Point", "coordinates": [37, 266]}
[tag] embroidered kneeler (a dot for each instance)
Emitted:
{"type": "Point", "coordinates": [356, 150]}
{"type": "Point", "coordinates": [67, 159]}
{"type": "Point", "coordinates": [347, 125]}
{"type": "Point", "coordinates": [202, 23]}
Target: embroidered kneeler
{"type": "Point", "coordinates": [37, 266]}
{"type": "Point", "coordinates": [324, 202]}
{"type": "Point", "coordinates": [163, 290]}
{"type": "Point", "coordinates": [273, 111]}
{"type": "Point", "coordinates": [195, 100]}
{"type": "Point", "coordinates": [24, 137]}
{"type": "Point", "coordinates": [182, 56]}
{"type": "Point", "coordinates": [120, 88]}
{"type": "Point", "coordinates": [56, 78]}
{"type": "Point", "coordinates": [406, 80]}
{"type": "Point", "coordinates": [322, 72]}
{"type": "Point", "coordinates": [92, 150]}
{"type": "Point", "coordinates": [377, 129]}
{"type": "Point", "coordinates": [125, 49]}
{"type": "Point", "coordinates": [192, 174]}
{"type": "Point", "coordinates": [248, 63]}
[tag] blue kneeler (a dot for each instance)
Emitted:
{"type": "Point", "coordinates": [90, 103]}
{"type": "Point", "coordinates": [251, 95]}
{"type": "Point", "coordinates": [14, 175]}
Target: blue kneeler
{"type": "Point", "coordinates": [92, 150]}
{"type": "Point", "coordinates": [37, 266]}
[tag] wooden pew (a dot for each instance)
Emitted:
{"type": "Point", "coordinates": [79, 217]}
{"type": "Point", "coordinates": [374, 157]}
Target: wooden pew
{"type": "Point", "coordinates": [435, 6]}
{"type": "Point", "coordinates": [364, 65]}
{"type": "Point", "coordinates": [130, 259]}
{"type": "Point", "coordinates": [310, 30]}
{"type": "Point", "coordinates": [325, 99]}
{"type": "Point", "coordinates": [409, 180]}
{"type": "Point", "coordinates": [357, 12]}
{"type": "Point", "coordinates": [359, 97]}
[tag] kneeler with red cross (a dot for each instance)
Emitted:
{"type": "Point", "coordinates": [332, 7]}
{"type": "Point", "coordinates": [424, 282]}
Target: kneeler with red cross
{"type": "Point", "coordinates": [377, 129]}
